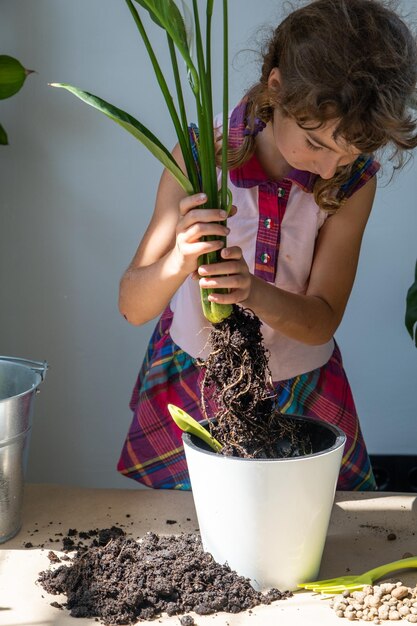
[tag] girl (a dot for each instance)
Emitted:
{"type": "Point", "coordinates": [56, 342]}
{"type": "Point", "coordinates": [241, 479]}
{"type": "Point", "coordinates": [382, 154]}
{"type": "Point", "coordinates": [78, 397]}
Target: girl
{"type": "Point", "coordinates": [336, 79]}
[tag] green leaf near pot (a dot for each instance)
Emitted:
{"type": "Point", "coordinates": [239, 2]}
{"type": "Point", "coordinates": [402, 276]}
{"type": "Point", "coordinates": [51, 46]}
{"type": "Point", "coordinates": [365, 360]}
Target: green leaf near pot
{"type": "Point", "coordinates": [12, 76]}
{"type": "Point", "coordinates": [411, 310]}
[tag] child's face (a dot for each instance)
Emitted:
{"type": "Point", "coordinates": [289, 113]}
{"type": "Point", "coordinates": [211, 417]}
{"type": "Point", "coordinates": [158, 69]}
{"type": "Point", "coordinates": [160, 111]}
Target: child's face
{"type": "Point", "coordinates": [313, 150]}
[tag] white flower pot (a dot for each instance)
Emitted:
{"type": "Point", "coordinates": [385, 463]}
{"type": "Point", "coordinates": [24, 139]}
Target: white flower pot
{"type": "Point", "coordinates": [267, 518]}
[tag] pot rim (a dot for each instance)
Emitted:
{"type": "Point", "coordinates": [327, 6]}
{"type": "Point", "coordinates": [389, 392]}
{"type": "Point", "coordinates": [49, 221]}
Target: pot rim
{"type": "Point", "coordinates": [339, 442]}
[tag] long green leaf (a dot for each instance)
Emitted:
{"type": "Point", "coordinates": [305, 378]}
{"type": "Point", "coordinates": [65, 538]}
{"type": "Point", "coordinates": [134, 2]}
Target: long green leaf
{"type": "Point", "coordinates": [151, 13]}
{"type": "Point", "coordinates": [135, 128]}
{"type": "Point", "coordinates": [166, 14]}
{"type": "Point", "coordinates": [411, 310]}
{"type": "Point", "coordinates": [205, 120]}
{"type": "Point", "coordinates": [209, 15]}
{"type": "Point", "coordinates": [182, 132]}
{"type": "Point", "coordinates": [189, 26]}
{"type": "Point", "coordinates": [225, 140]}
{"type": "Point", "coordinates": [178, 86]}
{"type": "Point", "coordinates": [183, 135]}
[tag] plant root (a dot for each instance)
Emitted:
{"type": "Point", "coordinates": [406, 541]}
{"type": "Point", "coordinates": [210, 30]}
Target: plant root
{"type": "Point", "coordinates": [237, 379]}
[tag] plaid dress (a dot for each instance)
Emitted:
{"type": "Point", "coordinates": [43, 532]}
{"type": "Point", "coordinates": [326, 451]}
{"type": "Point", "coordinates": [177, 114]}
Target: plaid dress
{"type": "Point", "coordinates": [153, 453]}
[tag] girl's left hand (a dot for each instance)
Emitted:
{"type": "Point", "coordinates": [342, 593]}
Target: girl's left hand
{"type": "Point", "coordinates": [232, 274]}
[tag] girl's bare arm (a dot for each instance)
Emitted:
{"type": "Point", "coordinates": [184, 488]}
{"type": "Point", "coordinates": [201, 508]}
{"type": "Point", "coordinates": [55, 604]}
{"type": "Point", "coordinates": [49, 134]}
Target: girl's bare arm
{"type": "Point", "coordinates": [168, 252]}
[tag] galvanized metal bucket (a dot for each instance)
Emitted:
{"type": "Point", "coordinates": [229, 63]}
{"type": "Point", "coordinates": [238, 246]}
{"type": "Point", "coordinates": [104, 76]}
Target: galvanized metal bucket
{"type": "Point", "coordinates": [19, 381]}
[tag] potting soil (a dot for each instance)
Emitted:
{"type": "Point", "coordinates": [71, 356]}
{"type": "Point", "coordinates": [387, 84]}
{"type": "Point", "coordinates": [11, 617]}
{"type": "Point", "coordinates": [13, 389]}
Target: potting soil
{"type": "Point", "coordinates": [121, 581]}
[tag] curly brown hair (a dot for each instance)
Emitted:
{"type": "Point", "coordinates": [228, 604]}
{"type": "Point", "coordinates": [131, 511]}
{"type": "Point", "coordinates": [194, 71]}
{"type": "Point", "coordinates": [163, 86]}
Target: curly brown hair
{"type": "Point", "coordinates": [354, 61]}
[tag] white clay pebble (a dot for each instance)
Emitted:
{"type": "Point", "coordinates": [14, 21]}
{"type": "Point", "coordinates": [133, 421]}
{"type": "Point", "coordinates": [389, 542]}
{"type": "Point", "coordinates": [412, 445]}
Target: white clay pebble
{"type": "Point", "coordinates": [379, 603]}
{"type": "Point", "coordinates": [400, 592]}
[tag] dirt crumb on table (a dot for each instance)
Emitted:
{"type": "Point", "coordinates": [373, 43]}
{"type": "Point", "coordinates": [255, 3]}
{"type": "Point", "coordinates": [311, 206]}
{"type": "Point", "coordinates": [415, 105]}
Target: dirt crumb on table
{"type": "Point", "coordinates": [54, 558]}
{"type": "Point", "coordinates": [124, 580]}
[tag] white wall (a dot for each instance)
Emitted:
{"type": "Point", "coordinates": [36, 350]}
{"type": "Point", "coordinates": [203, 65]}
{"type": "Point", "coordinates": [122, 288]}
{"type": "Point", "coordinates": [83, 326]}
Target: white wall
{"type": "Point", "coordinates": [76, 195]}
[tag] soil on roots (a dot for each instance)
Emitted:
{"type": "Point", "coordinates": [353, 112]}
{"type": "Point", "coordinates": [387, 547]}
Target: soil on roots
{"type": "Point", "coordinates": [238, 379]}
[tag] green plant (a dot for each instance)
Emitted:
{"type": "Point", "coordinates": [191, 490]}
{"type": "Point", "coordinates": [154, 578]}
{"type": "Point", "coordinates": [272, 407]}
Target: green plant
{"type": "Point", "coordinates": [411, 300]}
{"type": "Point", "coordinates": [411, 309]}
{"type": "Point", "coordinates": [201, 175]}
{"type": "Point", "coordinates": [12, 77]}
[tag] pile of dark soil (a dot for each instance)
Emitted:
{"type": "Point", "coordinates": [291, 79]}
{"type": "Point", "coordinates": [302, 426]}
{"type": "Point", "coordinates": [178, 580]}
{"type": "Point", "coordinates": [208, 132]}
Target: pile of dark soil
{"type": "Point", "coordinates": [124, 581]}
{"type": "Point", "coordinates": [237, 379]}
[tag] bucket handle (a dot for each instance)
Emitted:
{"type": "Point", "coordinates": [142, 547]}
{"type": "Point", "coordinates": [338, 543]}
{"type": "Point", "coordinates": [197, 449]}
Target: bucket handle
{"type": "Point", "coordinates": [37, 366]}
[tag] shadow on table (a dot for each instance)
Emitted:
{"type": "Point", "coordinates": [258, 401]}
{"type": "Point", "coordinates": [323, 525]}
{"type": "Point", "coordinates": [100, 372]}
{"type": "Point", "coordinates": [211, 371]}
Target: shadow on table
{"type": "Point", "coordinates": [368, 530]}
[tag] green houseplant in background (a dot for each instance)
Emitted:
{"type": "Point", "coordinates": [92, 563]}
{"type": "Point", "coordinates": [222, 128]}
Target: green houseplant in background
{"type": "Point", "coordinates": [411, 310]}
{"type": "Point", "coordinates": [181, 28]}
{"type": "Point", "coordinates": [411, 300]}
{"type": "Point", "coordinates": [12, 78]}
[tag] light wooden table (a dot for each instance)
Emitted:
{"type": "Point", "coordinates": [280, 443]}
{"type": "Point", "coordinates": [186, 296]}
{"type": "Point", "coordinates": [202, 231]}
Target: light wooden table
{"type": "Point", "coordinates": [357, 541]}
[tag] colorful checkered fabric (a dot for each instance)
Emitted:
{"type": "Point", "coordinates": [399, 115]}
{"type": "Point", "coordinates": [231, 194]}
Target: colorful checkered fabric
{"type": "Point", "coordinates": [153, 453]}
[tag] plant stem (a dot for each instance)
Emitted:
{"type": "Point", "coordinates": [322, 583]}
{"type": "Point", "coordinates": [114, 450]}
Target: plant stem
{"type": "Point", "coordinates": [225, 141]}
{"type": "Point", "coordinates": [212, 311]}
{"type": "Point", "coordinates": [205, 121]}
{"type": "Point", "coordinates": [209, 14]}
{"type": "Point", "coordinates": [192, 170]}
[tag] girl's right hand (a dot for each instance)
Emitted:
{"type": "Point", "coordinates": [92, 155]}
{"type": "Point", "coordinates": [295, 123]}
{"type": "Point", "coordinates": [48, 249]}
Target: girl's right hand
{"type": "Point", "coordinates": [193, 224]}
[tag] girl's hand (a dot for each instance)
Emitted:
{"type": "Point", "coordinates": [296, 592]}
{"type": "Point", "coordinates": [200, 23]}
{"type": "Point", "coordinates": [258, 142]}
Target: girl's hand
{"type": "Point", "coordinates": [232, 273]}
{"type": "Point", "coordinates": [194, 223]}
